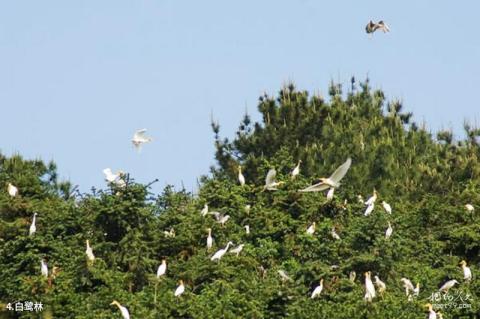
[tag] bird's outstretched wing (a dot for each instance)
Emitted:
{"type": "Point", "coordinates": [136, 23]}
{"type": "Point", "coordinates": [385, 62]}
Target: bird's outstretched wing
{"type": "Point", "coordinates": [341, 171]}
{"type": "Point", "coordinates": [140, 134]}
{"type": "Point", "coordinates": [315, 188]}
{"type": "Point", "coordinates": [270, 179]}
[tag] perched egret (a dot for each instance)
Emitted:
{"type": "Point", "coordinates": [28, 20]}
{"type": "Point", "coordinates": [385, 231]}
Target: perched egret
{"type": "Point", "coordinates": [330, 194]}
{"type": "Point", "coordinates": [284, 276]}
{"type": "Point", "coordinates": [416, 290]}
{"type": "Point", "coordinates": [387, 207]}
{"type": "Point", "coordinates": [44, 268]}
{"type": "Point", "coordinates": [334, 234]}
{"type": "Point", "coordinates": [114, 178]}
{"type": "Point", "coordinates": [241, 178]}
{"type": "Point", "coordinates": [369, 287]}
{"type": "Point", "coordinates": [331, 182]}
{"type": "Point", "coordinates": [380, 25]}
{"type": "Point", "coordinates": [270, 182]}
{"type": "Point", "coordinates": [237, 250]}
{"type": "Point", "coordinates": [431, 313]}
{"type": "Point", "coordinates": [170, 233]}
{"type": "Point", "coordinates": [180, 289]}
{"type": "Point", "coordinates": [247, 209]}
{"type": "Point", "coordinates": [140, 138]}
{"type": "Point", "coordinates": [12, 190]}
{"type": "Point", "coordinates": [247, 229]}
{"type": "Point", "coordinates": [123, 310]}
{"type": "Point", "coordinates": [209, 239]}
{"type": "Point", "coordinates": [372, 199]}
{"type": "Point", "coordinates": [33, 228]}
{"type": "Point", "coordinates": [162, 269]}
{"type": "Point", "coordinates": [380, 285]}
{"type": "Point", "coordinates": [352, 275]}
{"type": "Point", "coordinates": [89, 252]}
{"type": "Point", "coordinates": [318, 290]}
{"type": "Point", "coordinates": [469, 208]}
{"type": "Point", "coordinates": [296, 170]}
{"type": "Point", "coordinates": [448, 285]}
{"type": "Point", "coordinates": [360, 199]}
{"type": "Point", "coordinates": [369, 209]}
{"type": "Point", "coordinates": [407, 284]}
{"type": "Point", "coordinates": [389, 231]}
{"type": "Point", "coordinates": [311, 229]}
{"type": "Point", "coordinates": [204, 210]}
{"type": "Point", "coordinates": [219, 254]}
{"type": "Point", "coordinates": [467, 273]}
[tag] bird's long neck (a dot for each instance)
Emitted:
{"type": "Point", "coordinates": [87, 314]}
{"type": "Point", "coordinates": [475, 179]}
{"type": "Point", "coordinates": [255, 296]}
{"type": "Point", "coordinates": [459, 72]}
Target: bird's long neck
{"type": "Point", "coordinates": [34, 218]}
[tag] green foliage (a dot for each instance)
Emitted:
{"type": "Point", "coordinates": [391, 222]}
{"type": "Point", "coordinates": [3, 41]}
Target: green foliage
{"type": "Point", "coordinates": [427, 181]}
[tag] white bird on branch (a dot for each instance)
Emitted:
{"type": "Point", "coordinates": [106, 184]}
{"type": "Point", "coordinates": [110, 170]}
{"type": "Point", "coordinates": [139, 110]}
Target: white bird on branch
{"type": "Point", "coordinates": [296, 170]}
{"type": "Point", "coordinates": [12, 190]}
{"type": "Point", "coordinates": [123, 310]}
{"type": "Point", "coordinates": [318, 290]}
{"type": "Point", "coordinates": [270, 182]}
{"type": "Point", "coordinates": [219, 254]}
{"type": "Point", "coordinates": [237, 250]}
{"type": "Point", "coordinates": [33, 227]}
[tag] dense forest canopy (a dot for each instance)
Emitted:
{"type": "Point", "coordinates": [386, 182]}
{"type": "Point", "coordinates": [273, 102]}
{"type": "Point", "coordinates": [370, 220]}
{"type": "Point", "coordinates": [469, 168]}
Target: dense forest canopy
{"type": "Point", "coordinates": [426, 179]}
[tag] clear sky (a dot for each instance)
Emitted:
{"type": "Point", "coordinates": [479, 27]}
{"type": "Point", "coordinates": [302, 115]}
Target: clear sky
{"type": "Point", "coordinates": [77, 78]}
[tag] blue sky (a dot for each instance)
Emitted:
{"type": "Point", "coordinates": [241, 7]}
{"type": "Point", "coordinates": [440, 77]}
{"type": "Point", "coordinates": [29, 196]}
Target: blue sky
{"type": "Point", "coordinates": [78, 78]}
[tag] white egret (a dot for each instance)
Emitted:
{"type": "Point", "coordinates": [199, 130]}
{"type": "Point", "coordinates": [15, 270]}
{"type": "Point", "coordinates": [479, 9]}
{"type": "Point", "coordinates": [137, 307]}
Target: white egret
{"type": "Point", "coordinates": [334, 234]}
{"type": "Point", "coordinates": [311, 229]}
{"type": "Point", "coordinates": [209, 239]}
{"type": "Point", "coordinates": [89, 252]}
{"type": "Point", "coordinates": [162, 269]}
{"type": "Point", "coordinates": [360, 199]}
{"type": "Point", "coordinates": [219, 254]}
{"type": "Point", "coordinates": [247, 209]}
{"type": "Point", "coordinates": [247, 229]}
{"type": "Point", "coordinates": [296, 170]}
{"type": "Point", "coordinates": [467, 273]}
{"type": "Point", "coordinates": [12, 190]}
{"type": "Point", "coordinates": [114, 178]}
{"type": "Point", "coordinates": [439, 315]}
{"type": "Point", "coordinates": [221, 219]}
{"type": "Point", "coordinates": [180, 289]}
{"type": "Point", "coordinates": [318, 290]}
{"type": "Point", "coordinates": [331, 182]}
{"type": "Point", "coordinates": [448, 285]}
{"type": "Point", "coordinates": [369, 287]}
{"type": "Point", "coordinates": [469, 208]}
{"type": "Point", "coordinates": [44, 268]}
{"type": "Point", "coordinates": [387, 207]}
{"type": "Point", "coordinates": [33, 228]}
{"type": "Point", "coordinates": [352, 275]}
{"type": "Point", "coordinates": [389, 231]}
{"type": "Point", "coordinates": [270, 182]}
{"type": "Point", "coordinates": [416, 290]}
{"type": "Point", "coordinates": [284, 276]}
{"type": "Point", "coordinates": [204, 210]}
{"type": "Point", "coordinates": [431, 313]}
{"type": "Point", "coordinates": [330, 194]}
{"type": "Point", "coordinates": [369, 209]}
{"type": "Point", "coordinates": [170, 233]}
{"type": "Point", "coordinates": [380, 25]}
{"type": "Point", "coordinates": [407, 284]}
{"type": "Point", "coordinates": [372, 199]}
{"type": "Point", "coordinates": [140, 138]}
{"type": "Point", "coordinates": [241, 178]}
{"type": "Point", "coordinates": [380, 285]}
{"type": "Point", "coordinates": [237, 250]}
{"type": "Point", "coordinates": [123, 310]}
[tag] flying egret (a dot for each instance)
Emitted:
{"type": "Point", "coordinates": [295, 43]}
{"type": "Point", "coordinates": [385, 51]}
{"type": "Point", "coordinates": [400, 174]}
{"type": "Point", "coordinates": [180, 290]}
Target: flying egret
{"type": "Point", "coordinates": [89, 252]}
{"type": "Point", "coordinates": [380, 285]}
{"type": "Point", "coordinates": [296, 170]}
{"type": "Point", "coordinates": [369, 287]}
{"type": "Point", "coordinates": [162, 269]}
{"type": "Point", "coordinates": [330, 194]}
{"type": "Point", "coordinates": [221, 219]}
{"type": "Point", "coordinates": [209, 239]}
{"type": "Point", "coordinates": [387, 207]}
{"type": "Point", "coordinates": [170, 233]}
{"type": "Point", "coordinates": [311, 229]}
{"type": "Point", "coordinates": [407, 284]}
{"type": "Point", "coordinates": [180, 289]}
{"type": "Point", "coordinates": [431, 313]}
{"type": "Point", "coordinates": [247, 229]}
{"type": "Point", "coordinates": [140, 138]}
{"type": "Point", "coordinates": [318, 290]}
{"type": "Point", "coordinates": [237, 250]}
{"type": "Point", "coordinates": [241, 178]}
{"type": "Point", "coordinates": [369, 209]}
{"type": "Point", "coordinates": [123, 310]}
{"type": "Point", "coordinates": [469, 208]}
{"type": "Point", "coordinates": [204, 211]}
{"type": "Point", "coordinates": [33, 228]}
{"type": "Point", "coordinates": [448, 285]}
{"type": "Point", "coordinates": [44, 268]}
{"type": "Point", "coordinates": [334, 234]}
{"type": "Point", "coordinates": [284, 276]}
{"type": "Point", "coordinates": [467, 273]}
{"type": "Point", "coordinates": [372, 199]}
{"type": "Point", "coordinates": [371, 27]}
{"type": "Point", "coordinates": [389, 231]}
{"type": "Point", "coordinates": [12, 190]}
{"type": "Point", "coordinates": [219, 254]}
{"type": "Point", "coordinates": [270, 182]}
{"type": "Point", "coordinates": [331, 182]}
{"type": "Point", "coordinates": [114, 178]}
